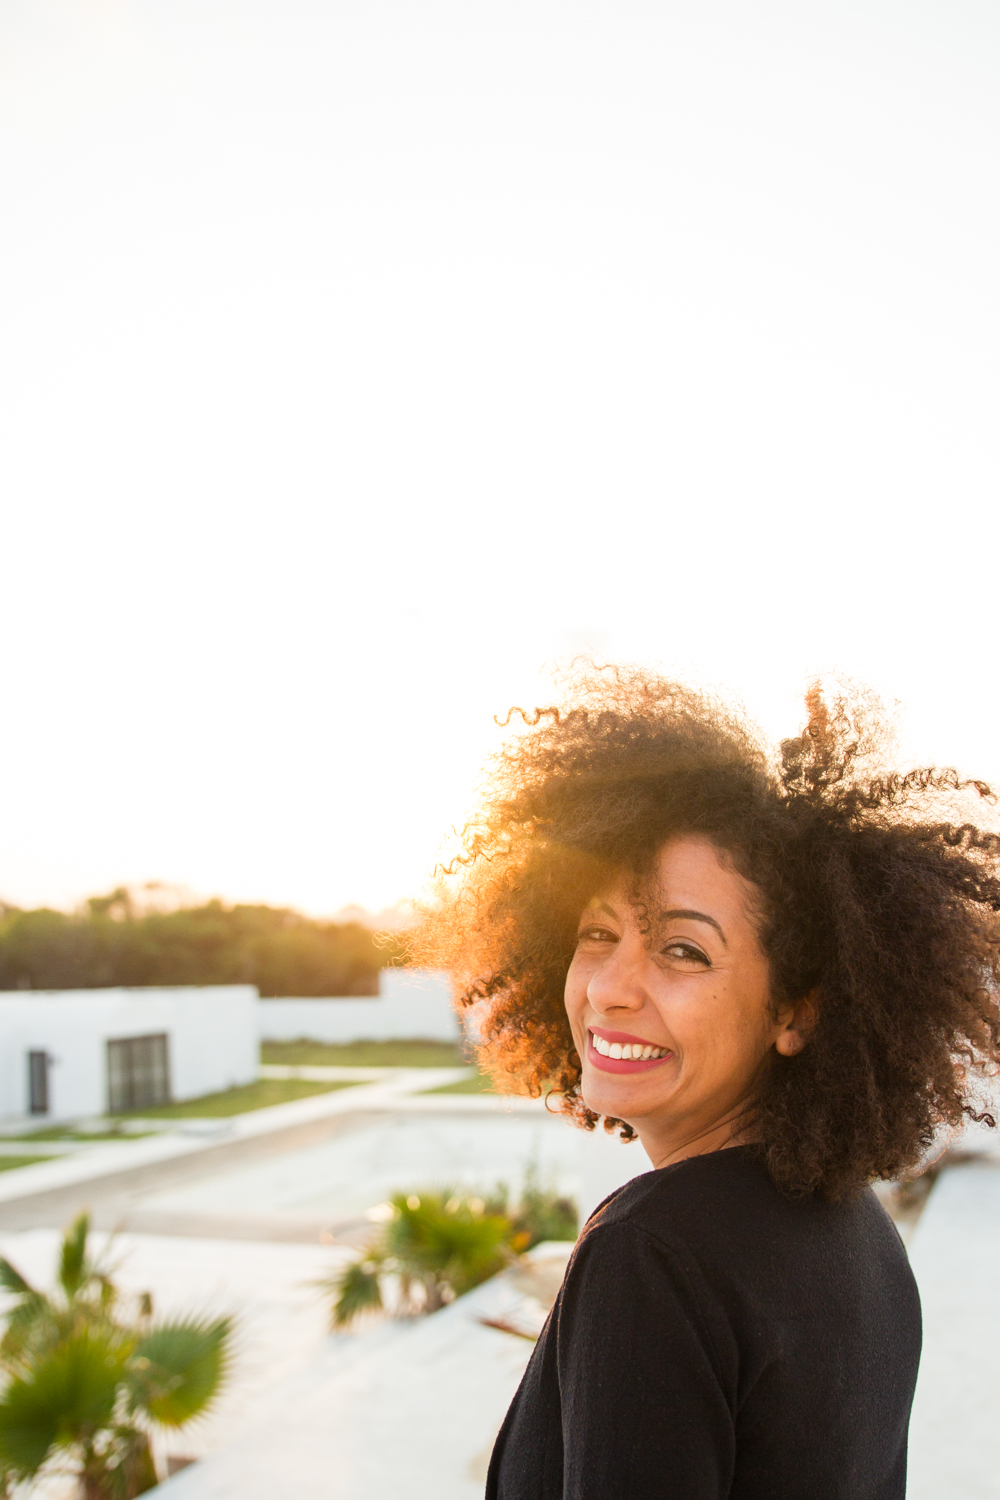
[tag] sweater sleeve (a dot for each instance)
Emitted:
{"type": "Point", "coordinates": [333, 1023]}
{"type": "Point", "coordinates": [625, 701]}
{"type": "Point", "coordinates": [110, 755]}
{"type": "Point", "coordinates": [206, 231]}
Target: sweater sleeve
{"type": "Point", "coordinates": [647, 1374]}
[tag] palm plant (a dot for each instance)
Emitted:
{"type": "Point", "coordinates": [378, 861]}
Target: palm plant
{"type": "Point", "coordinates": [83, 1385]}
{"type": "Point", "coordinates": [541, 1213]}
{"type": "Point", "coordinates": [434, 1246]}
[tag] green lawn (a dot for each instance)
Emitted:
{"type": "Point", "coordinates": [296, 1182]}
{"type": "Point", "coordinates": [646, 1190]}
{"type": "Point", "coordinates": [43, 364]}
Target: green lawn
{"type": "Point", "coordinates": [237, 1101]}
{"type": "Point", "coordinates": [476, 1083]}
{"type": "Point", "coordinates": [66, 1133]}
{"type": "Point", "coordinates": [8, 1163]}
{"type": "Point", "coordinates": [401, 1054]}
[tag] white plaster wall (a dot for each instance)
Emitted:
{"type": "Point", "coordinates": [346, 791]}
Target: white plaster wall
{"type": "Point", "coordinates": [606, 1163]}
{"type": "Point", "coordinates": [212, 1030]}
{"type": "Point", "coordinates": [412, 1003]}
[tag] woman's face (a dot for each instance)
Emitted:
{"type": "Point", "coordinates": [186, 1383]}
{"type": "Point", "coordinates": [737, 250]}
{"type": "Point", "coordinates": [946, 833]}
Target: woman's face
{"type": "Point", "coordinates": [673, 1027]}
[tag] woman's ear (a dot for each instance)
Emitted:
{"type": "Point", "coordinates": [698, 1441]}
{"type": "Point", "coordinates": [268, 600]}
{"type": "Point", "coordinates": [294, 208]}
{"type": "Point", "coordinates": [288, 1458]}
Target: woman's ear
{"type": "Point", "coordinates": [797, 1025]}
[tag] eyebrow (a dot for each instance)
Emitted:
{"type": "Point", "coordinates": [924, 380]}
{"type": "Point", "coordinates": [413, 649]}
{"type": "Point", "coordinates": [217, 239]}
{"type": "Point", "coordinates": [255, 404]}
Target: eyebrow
{"type": "Point", "coordinates": [676, 911]}
{"type": "Point", "coordinates": [694, 916]}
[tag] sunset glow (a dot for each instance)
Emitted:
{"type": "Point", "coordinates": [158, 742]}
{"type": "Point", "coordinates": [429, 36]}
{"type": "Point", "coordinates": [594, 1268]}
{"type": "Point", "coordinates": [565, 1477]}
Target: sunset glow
{"type": "Point", "coordinates": [361, 361]}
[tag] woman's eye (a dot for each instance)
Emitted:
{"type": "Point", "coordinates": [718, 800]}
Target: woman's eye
{"type": "Point", "coordinates": [596, 935]}
{"type": "Point", "coordinates": [686, 952]}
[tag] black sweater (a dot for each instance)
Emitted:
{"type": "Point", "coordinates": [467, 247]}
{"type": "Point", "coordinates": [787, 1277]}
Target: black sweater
{"type": "Point", "coordinates": [713, 1338]}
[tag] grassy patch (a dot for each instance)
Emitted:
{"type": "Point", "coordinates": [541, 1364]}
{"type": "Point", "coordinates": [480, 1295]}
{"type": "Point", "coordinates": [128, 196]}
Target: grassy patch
{"type": "Point", "coordinates": [66, 1133]}
{"type": "Point", "coordinates": [8, 1163]}
{"type": "Point", "coordinates": [237, 1101]}
{"type": "Point", "coordinates": [397, 1054]}
{"type": "Point", "coordinates": [476, 1083]}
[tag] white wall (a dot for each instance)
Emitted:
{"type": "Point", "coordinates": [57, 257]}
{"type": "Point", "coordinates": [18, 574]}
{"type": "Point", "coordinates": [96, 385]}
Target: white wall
{"type": "Point", "coordinates": [412, 1003]}
{"type": "Point", "coordinates": [606, 1163]}
{"type": "Point", "coordinates": [212, 1031]}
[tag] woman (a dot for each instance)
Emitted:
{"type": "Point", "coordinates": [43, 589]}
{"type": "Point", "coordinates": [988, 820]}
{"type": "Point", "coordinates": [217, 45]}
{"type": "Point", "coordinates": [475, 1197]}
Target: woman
{"type": "Point", "coordinates": [778, 972]}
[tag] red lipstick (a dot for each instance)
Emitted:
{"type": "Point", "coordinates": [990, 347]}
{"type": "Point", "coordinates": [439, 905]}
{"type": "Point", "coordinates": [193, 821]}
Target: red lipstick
{"type": "Point", "coordinates": [622, 1064]}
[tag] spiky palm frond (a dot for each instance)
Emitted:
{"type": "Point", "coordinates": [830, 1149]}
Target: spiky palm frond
{"type": "Point", "coordinates": [85, 1384]}
{"type": "Point", "coordinates": [68, 1395]}
{"type": "Point", "coordinates": [176, 1369]}
{"type": "Point", "coordinates": [38, 1322]}
{"type": "Point", "coordinates": [81, 1277]}
{"type": "Point", "coordinates": [25, 1323]}
{"type": "Point", "coordinates": [31, 1311]}
{"type": "Point", "coordinates": [72, 1272]}
{"type": "Point", "coordinates": [357, 1289]}
{"type": "Point", "coordinates": [448, 1238]}
{"type": "Point", "coordinates": [436, 1245]}
{"type": "Point", "coordinates": [12, 1281]}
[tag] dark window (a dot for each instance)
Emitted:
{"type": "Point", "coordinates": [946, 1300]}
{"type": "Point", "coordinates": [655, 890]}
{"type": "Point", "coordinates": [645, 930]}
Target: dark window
{"type": "Point", "coordinates": [38, 1083]}
{"type": "Point", "coordinates": [138, 1073]}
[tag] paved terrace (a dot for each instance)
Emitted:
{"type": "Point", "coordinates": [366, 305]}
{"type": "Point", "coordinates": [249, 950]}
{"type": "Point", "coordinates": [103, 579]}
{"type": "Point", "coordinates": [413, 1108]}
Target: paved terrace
{"type": "Point", "coordinates": [416, 1406]}
{"type": "Point", "coordinates": [955, 1253]}
{"type": "Point", "coordinates": [300, 1172]}
{"type": "Point", "coordinates": [405, 1409]}
{"type": "Point", "coordinates": [413, 1409]}
{"type": "Point", "coordinates": [244, 1215]}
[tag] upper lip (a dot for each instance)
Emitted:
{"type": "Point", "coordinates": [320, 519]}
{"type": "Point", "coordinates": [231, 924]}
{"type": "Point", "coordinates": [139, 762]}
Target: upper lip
{"type": "Point", "coordinates": [624, 1036]}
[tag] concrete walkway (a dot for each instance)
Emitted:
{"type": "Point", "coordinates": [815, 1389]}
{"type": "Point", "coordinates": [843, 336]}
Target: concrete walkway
{"type": "Point", "coordinates": [306, 1171]}
{"type": "Point", "coordinates": [406, 1409]}
{"type": "Point", "coordinates": [413, 1408]}
{"type": "Point", "coordinates": [190, 1137]}
{"type": "Point", "coordinates": [280, 1315]}
{"type": "Point", "coordinates": [955, 1254]}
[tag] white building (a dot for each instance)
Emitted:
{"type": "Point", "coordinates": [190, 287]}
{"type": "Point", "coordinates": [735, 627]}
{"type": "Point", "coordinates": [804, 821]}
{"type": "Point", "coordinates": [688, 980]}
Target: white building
{"type": "Point", "coordinates": [68, 1054]}
{"type": "Point", "coordinates": [411, 1003]}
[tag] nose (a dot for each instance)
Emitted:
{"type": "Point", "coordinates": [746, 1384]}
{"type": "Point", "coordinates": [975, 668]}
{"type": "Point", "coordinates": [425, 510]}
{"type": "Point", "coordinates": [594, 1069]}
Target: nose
{"type": "Point", "coordinates": [617, 986]}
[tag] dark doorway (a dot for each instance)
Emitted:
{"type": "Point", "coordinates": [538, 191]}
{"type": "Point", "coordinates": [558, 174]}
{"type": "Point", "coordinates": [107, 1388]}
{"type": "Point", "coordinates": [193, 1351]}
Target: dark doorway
{"type": "Point", "coordinates": [138, 1073]}
{"type": "Point", "coordinates": [38, 1083]}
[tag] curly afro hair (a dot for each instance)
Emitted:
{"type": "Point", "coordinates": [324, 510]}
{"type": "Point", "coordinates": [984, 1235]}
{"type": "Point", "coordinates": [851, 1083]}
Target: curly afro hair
{"type": "Point", "coordinates": [878, 896]}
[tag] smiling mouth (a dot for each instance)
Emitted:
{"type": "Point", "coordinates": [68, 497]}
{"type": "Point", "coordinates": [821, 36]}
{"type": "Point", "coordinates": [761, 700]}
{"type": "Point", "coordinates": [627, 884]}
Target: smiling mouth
{"type": "Point", "coordinates": [617, 1052]}
{"type": "Point", "coordinates": [634, 1051]}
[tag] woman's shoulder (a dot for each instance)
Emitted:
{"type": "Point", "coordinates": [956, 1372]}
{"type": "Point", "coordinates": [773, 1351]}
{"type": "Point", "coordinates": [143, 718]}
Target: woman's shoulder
{"type": "Point", "coordinates": [724, 1208]}
{"type": "Point", "coordinates": [688, 1190]}
{"type": "Point", "coordinates": [712, 1241]}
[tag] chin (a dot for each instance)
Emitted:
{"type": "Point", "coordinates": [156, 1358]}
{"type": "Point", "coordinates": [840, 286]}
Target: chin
{"type": "Point", "coordinates": [607, 1098]}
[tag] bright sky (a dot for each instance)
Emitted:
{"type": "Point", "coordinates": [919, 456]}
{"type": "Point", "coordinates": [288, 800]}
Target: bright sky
{"type": "Point", "coordinates": [361, 357]}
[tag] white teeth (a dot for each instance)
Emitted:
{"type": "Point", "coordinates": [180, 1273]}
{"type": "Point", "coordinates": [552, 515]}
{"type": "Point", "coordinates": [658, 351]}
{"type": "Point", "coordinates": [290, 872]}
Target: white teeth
{"type": "Point", "coordinates": [626, 1051]}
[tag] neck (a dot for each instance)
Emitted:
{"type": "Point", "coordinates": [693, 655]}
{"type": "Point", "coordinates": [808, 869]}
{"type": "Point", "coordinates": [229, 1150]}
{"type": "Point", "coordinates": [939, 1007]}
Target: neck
{"type": "Point", "coordinates": [666, 1144]}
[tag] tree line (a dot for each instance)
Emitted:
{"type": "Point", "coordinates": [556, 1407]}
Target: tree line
{"type": "Point", "coordinates": [111, 941]}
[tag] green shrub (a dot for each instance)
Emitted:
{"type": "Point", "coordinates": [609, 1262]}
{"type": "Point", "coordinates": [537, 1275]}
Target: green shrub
{"type": "Point", "coordinates": [82, 1384]}
{"type": "Point", "coordinates": [436, 1244]}
{"type": "Point", "coordinates": [540, 1214]}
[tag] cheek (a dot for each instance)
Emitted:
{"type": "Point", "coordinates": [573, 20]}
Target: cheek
{"type": "Point", "coordinates": [705, 1031]}
{"type": "Point", "coordinates": [720, 1026]}
{"type": "Point", "coordinates": [575, 989]}
{"type": "Point", "coordinates": [743, 1026]}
